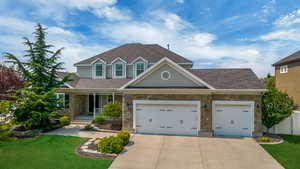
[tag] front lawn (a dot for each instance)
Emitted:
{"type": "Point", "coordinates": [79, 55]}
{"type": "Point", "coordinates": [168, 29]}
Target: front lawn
{"type": "Point", "coordinates": [46, 152]}
{"type": "Point", "coordinates": [287, 153]}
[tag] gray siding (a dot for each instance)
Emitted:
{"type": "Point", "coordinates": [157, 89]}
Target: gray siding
{"type": "Point", "coordinates": [84, 71]}
{"type": "Point", "coordinates": [108, 71]}
{"type": "Point", "coordinates": [177, 79]}
{"type": "Point", "coordinates": [129, 72]}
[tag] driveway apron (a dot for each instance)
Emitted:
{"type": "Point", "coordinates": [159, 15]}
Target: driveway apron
{"type": "Point", "coordinates": [178, 152]}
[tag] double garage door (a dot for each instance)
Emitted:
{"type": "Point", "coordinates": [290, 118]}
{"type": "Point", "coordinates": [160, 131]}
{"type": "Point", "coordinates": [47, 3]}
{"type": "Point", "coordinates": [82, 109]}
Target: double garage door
{"type": "Point", "coordinates": [183, 117]}
{"type": "Point", "coordinates": [167, 117]}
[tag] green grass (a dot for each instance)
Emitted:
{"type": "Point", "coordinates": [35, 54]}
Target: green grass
{"type": "Point", "coordinates": [287, 153]}
{"type": "Point", "coordinates": [46, 152]}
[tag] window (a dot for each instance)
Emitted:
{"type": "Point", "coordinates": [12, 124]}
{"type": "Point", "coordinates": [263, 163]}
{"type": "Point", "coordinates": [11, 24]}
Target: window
{"type": "Point", "coordinates": [284, 69]}
{"type": "Point", "coordinates": [119, 70]}
{"type": "Point", "coordinates": [139, 68]}
{"type": "Point", "coordinates": [165, 75]}
{"type": "Point", "coordinates": [64, 100]}
{"type": "Point", "coordinates": [99, 70]}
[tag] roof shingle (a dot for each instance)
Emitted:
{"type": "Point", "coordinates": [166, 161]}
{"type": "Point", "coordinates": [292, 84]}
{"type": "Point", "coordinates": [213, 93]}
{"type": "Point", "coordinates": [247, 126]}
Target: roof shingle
{"type": "Point", "coordinates": [229, 78]}
{"type": "Point", "coordinates": [129, 52]}
{"type": "Point", "coordinates": [293, 57]}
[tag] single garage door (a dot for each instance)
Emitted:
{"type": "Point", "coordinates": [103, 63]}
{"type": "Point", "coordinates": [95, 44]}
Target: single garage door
{"type": "Point", "coordinates": [233, 119]}
{"type": "Point", "coordinates": [167, 117]}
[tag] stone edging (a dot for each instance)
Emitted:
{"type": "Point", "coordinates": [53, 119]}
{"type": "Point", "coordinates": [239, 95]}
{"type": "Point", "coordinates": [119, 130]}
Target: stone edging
{"type": "Point", "coordinates": [102, 130]}
{"type": "Point", "coordinates": [84, 150]}
{"type": "Point", "coordinates": [278, 142]}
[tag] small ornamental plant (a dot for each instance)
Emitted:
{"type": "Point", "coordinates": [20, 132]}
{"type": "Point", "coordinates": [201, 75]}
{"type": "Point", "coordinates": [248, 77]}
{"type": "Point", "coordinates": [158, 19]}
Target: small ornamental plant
{"type": "Point", "coordinates": [264, 139]}
{"type": "Point", "coordinates": [124, 136]}
{"type": "Point", "coordinates": [110, 145]}
{"type": "Point", "coordinates": [112, 110]}
{"type": "Point", "coordinates": [64, 120]}
{"type": "Point", "coordinates": [98, 120]}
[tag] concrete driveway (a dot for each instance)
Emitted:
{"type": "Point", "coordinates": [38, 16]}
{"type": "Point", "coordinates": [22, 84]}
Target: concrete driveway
{"type": "Point", "coordinates": [177, 152]}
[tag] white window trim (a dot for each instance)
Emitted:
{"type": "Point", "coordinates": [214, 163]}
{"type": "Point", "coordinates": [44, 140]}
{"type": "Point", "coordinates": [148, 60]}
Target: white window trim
{"type": "Point", "coordinates": [135, 67]}
{"type": "Point", "coordinates": [283, 69]}
{"type": "Point", "coordinates": [103, 71]}
{"type": "Point", "coordinates": [114, 70]}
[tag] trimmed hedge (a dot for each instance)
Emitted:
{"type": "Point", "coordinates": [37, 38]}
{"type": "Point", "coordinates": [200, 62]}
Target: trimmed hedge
{"type": "Point", "coordinates": [110, 145]}
{"type": "Point", "coordinates": [64, 120]}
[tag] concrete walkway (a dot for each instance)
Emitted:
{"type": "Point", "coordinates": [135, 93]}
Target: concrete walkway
{"type": "Point", "coordinates": [176, 152]}
{"type": "Point", "coordinates": [75, 130]}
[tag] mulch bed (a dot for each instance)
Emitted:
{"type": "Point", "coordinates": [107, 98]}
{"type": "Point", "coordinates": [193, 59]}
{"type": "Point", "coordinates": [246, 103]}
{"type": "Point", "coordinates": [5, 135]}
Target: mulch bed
{"type": "Point", "coordinates": [274, 139]}
{"type": "Point", "coordinates": [93, 147]}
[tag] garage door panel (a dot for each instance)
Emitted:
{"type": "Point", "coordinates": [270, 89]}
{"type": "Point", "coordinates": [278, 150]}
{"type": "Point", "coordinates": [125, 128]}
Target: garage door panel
{"type": "Point", "coordinates": [232, 120]}
{"type": "Point", "coordinates": [167, 119]}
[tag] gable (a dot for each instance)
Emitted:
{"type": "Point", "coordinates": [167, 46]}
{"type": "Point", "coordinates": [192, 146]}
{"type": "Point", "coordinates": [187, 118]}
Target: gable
{"type": "Point", "coordinates": [176, 80]}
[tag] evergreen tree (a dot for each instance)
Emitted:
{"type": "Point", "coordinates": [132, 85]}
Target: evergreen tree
{"type": "Point", "coordinates": [37, 100]}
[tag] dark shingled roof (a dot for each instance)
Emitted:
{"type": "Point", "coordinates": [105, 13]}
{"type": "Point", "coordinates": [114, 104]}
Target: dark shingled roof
{"type": "Point", "coordinates": [218, 78]}
{"type": "Point", "coordinates": [229, 78]}
{"type": "Point", "coordinates": [84, 83]}
{"type": "Point", "coordinates": [74, 78]}
{"type": "Point", "coordinates": [293, 57]}
{"type": "Point", "coordinates": [129, 52]}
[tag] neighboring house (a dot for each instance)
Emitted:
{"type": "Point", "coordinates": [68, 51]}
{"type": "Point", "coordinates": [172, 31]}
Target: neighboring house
{"type": "Point", "coordinates": [161, 93]}
{"type": "Point", "coordinates": [287, 76]}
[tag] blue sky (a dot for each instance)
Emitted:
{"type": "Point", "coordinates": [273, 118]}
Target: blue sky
{"type": "Point", "coordinates": [214, 34]}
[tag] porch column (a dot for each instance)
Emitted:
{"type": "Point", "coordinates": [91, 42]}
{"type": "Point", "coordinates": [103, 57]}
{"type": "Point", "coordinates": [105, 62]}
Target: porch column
{"type": "Point", "coordinates": [113, 96]}
{"type": "Point", "coordinates": [94, 113]}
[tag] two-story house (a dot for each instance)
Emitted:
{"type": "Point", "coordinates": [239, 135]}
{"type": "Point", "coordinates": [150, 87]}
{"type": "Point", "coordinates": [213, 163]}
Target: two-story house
{"type": "Point", "coordinates": [161, 93]}
{"type": "Point", "coordinates": [287, 76]}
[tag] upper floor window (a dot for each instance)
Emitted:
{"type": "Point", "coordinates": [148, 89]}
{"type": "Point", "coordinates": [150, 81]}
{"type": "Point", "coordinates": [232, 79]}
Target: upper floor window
{"type": "Point", "coordinates": [139, 68]}
{"type": "Point", "coordinates": [99, 70]}
{"type": "Point", "coordinates": [284, 69]}
{"type": "Point", "coordinates": [119, 70]}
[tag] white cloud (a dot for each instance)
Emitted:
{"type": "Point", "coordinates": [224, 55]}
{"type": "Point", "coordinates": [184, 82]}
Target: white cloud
{"type": "Point", "coordinates": [12, 30]}
{"type": "Point", "coordinates": [111, 13]}
{"type": "Point", "coordinates": [170, 20]}
{"type": "Point", "coordinates": [288, 20]}
{"type": "Point", "coordinates": [187, 41]}
{"type": "Point", "coordinates": [290, 34]}
{"type": "Point", "coordinates": [58, 9]}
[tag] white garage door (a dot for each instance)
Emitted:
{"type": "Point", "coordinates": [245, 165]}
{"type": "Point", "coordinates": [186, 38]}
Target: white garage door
{"type": "Point", "coordinates": [166, 117]}
{"type": "Point", "coordinates": [233, 119]}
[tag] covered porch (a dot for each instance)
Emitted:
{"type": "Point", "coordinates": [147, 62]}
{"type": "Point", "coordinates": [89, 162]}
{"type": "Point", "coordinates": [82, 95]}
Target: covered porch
{"type": "Point", "coordinates": [84, 106]}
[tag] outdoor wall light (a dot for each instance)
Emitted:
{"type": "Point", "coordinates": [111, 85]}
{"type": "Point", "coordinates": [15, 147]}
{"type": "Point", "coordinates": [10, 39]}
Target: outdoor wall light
{"type": "Point", "coordinates": [204, 106]}
{"type": "Point", "coordinates": [257, 105]}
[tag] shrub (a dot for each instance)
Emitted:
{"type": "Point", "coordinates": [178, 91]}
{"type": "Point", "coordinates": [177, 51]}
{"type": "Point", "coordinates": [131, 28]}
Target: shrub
{"type": "Point", "coordinates": [6, 126]}
{"type": "Point", "coordinates": [88, 127]}
{"type": "Point", "coordinates": [98, 120]}
{"type": "Point", "coordinates": [64, 120]}
{"type": "Point", "coordinates": [124, 136]}
{"type": "Point", "coordinates": [5, 136]}
{"type": "Point", "coordinates": [264, 139]}
{"type": "Point", "coordinates": [4, 106]}
{"type": "Point", "coordinates": [112, 109]}
{"type": "Point", "coordinates": [111, 145]}
{"type": "Point", "coordinates": [276, 106]}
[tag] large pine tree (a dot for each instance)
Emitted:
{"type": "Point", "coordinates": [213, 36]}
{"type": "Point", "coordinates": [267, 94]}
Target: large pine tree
{"type": "Point", "coordinates": [36, 100]}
